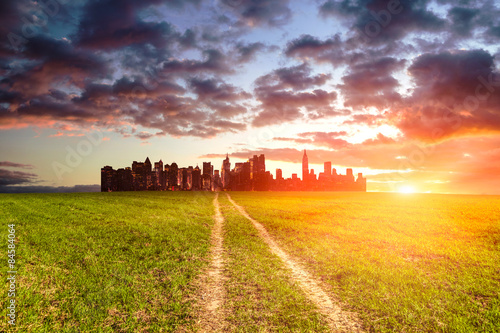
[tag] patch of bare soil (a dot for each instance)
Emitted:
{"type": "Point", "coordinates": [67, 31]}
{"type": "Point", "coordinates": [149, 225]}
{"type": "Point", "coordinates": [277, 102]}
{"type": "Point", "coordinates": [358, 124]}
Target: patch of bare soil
{"type": "Point", "coordinates": [210, 316]}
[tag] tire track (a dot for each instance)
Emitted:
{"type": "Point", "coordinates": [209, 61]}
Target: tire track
{"type": "Point", "coordinates": [211, 317]}
{"type": "Point", "coordinates": [338, 320]}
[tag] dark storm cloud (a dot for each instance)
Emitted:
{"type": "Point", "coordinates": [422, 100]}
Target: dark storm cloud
{"type": "Point", "coordinates": [115, 23]}
{"type": "Point", "coordinates": [15, 165]}
{"type": "Point", "coordinates": [247, 52]}
{"type": "Point", "coordinates": [462, 20]}
{"type": "Point", "coordinates": [216, 95]}
{"type": "Point", "coordinates": [494, 31]}
{"type": "Point", "coordinates": [455, 93]}
{"type": "Point", "coordinates": [384, 20]}
{"type": "Point", "coordinates": [10, 14]}
{"type": "Point", "coordinates": [309, 46]}
{"type": "Point", "coordinates": [185, 116]}
{"type": "Point", "coordinates": [284, 106]}
{"type": "Point", "coordinates": [50, 189]}
{"type": "Point", "coordinates": [297, 78]}
{"type": "Point", "coordinates": [47, 62]}
{"type": "Point", "coordinates": [260, 12]}
{"type": "Point", "coordinates": [8, 177]}
{"type": "Point", "coordinates": [213, 89]}
{"type": "Point", "coordinates": [10, 97]}
{"type": "Point", "coordinates": [474, 19]}
{"type": "Point", "coordinates": [306, 47]}
{"type": "Point", "coordinates": [43, 108]}
{"type": "Point", "coordinates": [371, 83]}
{"type": "Point", "coordinates": [140, 86]}
{"type": "Point", "coordinates": [215, 61]}
{"type": "Point", "coordinates": [145, 135]}
{"type": "Point", "coordinates": [282, 96]}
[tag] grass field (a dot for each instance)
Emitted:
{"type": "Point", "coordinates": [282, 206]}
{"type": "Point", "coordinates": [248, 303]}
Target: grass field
{"type": "Point", "coordinates": [260, 295]}
{"type": "Point", "coordinates": [405, 263]}
{"type": "Point", "coordinates": [117, 262]}
{"type": "Point", "coordinates": [126, 262]}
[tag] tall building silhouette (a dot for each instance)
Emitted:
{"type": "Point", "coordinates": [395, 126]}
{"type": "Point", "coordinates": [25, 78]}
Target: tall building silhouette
{"type": "Point", "coordinates": [196, 179]}
{"type": "Point", "coordinates": [226, 172]}
{"type": "Point", "coordinates": [327, 169]}
{"type": "Point", "coordinates": [173, 173]}
{"type": "Point", "coordinates": [207, 176]}
{"type": "Point", "coordinates": [305, 167]}
{"type": "Point", "coordinates": [159, 182]}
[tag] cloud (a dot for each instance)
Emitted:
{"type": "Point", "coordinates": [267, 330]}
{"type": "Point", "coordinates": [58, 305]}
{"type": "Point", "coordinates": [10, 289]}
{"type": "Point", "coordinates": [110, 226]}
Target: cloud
{"type": "Point", "coordinates": [330, 50]}
{"type": "Point", "coordinates": [372, 83]}
{"type": "Point", "coordinates": [381, 139]}
{"type": "Point", "coordinates": [215, 61]}
{"type": "Point", "coordinates": [99, 30]}
{"type": "Point", "coordinates": [319, 139]}
{"type": "Point", "coordinates": [260, 12]}
{"type": "Point", "coordinates": [50, 189]}
{"type": "Point", "coordinates": [282, 96]}
{"type": "Point", "coordinates": [456, 93]}
{"type": "Point", "coordinates": [284, 106]}
{"type": "Point", "coordinates": [463, 20]}
{"type": "Point", "coordinates": [8, 177]}
{"type": "Point", "coordinates": [297, 78]}
{"type": "Point", "coordinates": [45, 65]}
{"type": "Point", "coordinates": [15, 165]}
{"type": "Point", "coordinates": [384, 21]}
{"type": "Point", "coordinates": [248, 52]}
{"type": "Point", "coordinates": [216, 90]}
{"type": "Point", "coordinates": [366, 119]}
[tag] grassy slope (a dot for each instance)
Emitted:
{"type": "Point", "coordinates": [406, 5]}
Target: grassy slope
{"type": "Point", "coordinates": [404, 262]}
{"type": "Point", "coordinates": [105, 262]}
{"type": "Point", "coordinates": [260, 295]}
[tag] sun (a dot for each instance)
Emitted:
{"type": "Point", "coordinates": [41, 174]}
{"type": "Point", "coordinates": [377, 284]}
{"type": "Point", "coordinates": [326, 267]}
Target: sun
{"type": "Point", "coordinates": [406, 189]}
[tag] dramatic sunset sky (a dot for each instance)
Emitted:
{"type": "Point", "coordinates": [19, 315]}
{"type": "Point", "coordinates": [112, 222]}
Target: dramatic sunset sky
{"type": "Point", "coordinates": [407, 92]}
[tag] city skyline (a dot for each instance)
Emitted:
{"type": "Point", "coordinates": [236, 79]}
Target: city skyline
{"type": "Point", "coordinates": [407, 92]}
{"type": "Point", "coordinates": [245, 176]}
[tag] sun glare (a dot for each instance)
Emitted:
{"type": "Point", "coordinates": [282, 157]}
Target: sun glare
{"type": "Point", "coordinates": [406, 189]}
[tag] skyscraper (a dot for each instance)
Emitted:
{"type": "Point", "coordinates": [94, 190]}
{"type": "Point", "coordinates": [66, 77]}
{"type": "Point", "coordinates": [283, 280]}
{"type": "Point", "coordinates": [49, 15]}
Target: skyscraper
{"type": "Point", "coordinates": [206, 178]}
{"type": "Point", "coordinates": [279, 174]}
{"type": "Point", "coordinates": [305, 167]}
{"type": "Point", "coordinates": [158, 173]}
{"type": "Point", "coordinates": [226, 172]}
{"type": "Point", "coordinates": [328, 169]}
{"type": "Point", "coordinates": [173, 174]}
{"type": "Point", "coordinates": [196, 178]}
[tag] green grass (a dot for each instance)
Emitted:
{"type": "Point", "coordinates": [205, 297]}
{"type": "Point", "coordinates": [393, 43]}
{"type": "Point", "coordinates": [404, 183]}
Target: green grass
{"type": "Point", "coordinates": [128, 262]}
{"type": "Point", "coordinates": [105, 262]}
{"type": "Point", "coordinates": [405, 263]}
{"type": "Point", "coordinates": [260, 297]}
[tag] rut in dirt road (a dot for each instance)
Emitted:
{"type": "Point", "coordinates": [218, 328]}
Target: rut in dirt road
{"type": "Point", "coordinates": [211, 318]}
{"type": "Point", "coordinates": [337, 319]}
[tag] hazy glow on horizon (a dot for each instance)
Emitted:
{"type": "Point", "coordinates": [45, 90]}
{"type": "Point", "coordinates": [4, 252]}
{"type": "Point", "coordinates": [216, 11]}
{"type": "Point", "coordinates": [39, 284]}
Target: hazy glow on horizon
{"type": "Point", "coordinates": [407, 189]}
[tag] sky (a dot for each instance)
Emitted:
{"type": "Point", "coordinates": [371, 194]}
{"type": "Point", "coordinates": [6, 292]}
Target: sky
{"type": "Point", "coordinates": [407, 92]}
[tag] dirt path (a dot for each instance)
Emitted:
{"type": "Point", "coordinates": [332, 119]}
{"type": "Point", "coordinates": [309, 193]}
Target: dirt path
{"type": "Point", "coordinates": [338, 320]}
{"type": "Point", "coordinates": [211, 317]}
